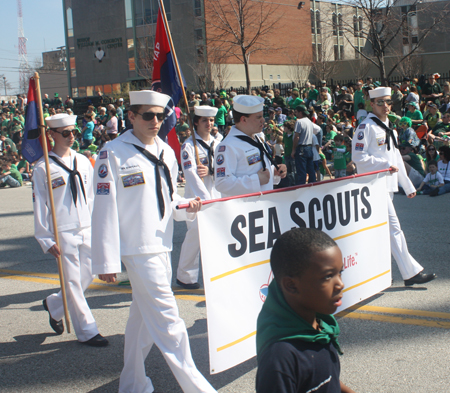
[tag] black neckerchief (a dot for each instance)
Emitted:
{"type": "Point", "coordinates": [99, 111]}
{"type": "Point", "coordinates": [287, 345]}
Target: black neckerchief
{"type": "Point", "coordinates": [72, 178]}
{"type": "Point", "coordinates": [159, 162]}
{"type": "Point", "coordinates": [210, 151]}
{"type": "Point", "coordinates": [262, 149]}
{"type": "Point", "coordinates": [389, 132]}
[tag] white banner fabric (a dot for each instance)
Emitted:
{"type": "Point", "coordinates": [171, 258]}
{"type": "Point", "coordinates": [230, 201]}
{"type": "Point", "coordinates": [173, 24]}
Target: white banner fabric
{"type": "Point", "coordinates": [236, 238]}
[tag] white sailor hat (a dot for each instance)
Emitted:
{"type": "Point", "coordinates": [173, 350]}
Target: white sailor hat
{"type": "Point", "coordinates": [61, 120]}
{"type": "Point", "coordinates": [205, 111]}
{"type": "Point", "coordinates": [380, 92]}
{"type": "Point", "coordinates": [148, 97]}
{"type": "Point", "coordinates": [248, 104]}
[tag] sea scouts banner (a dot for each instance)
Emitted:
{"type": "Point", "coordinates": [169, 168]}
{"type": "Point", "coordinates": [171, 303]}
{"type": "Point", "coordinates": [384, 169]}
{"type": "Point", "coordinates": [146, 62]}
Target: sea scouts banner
{"type": "Point", "coordinates": [237, 235]}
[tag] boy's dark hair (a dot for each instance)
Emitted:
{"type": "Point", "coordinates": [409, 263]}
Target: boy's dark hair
{"type": "Point", "coordinates": [237, 116]}
{"type": "Point", "coordinates": [432, 163]}
{"type": "Point", "coordinates": [361, 105]}
{"type": "Point", "coordinates": [294, 250]}
{"type": "Point", "coordinates": [339, 138]}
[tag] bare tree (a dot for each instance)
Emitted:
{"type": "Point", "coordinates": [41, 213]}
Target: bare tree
{"type": "Point", "coordinates": [325, 66]}
{"type": "Point", "coordinates": [389, 25]}
{"type": "Point", "coordinates": [220, 70]}
{"type": "Point", "coordinates": [412, 66]}
{"type": "Point", "coordinates": [201, 73]}
{"type": "Point", "coordinates": [238, 27]}
{"type": "Point", "coordinates": [144, 51]}
{"type": "Point", "coordinates": [360, 67]}
{"type": "Point", "coordinates": [299, 69]}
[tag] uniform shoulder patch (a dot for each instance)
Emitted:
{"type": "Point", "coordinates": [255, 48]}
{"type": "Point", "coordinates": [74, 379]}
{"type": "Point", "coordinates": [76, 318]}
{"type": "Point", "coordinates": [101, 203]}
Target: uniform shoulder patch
{"type": "Point", "coordinates": [103, 171]}
{"type": "Point", "coordinates": [220, 159]}
{"type": "Point", "coordinates": [187, 165]}
{"type": "Point", "coordinates": [185, 155]}
{"type": "Point", "coordinates": [222, 148]}
{"type": "Point", "coordinates": [220, 172]}
{"type": "Point", "coordinates": [360, 135]}
{"type": "Point", "coordinates": [362, 126]}
{"type": "Point", "coordinates": [103, 154]}
{"type": "Point", "coordinates": [359, 146]}
{"type": "Point", "coordinates": [103, 188]}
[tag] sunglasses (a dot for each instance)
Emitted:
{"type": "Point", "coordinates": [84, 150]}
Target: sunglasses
{"type": "Point", "coordinates": [66, 133]}
{"type": "Point", "coordinates": [431, 149]}
{"type": "Point", "coordinates": [147, 116]}
{"type": "Point", "coordinates": [382, 102]}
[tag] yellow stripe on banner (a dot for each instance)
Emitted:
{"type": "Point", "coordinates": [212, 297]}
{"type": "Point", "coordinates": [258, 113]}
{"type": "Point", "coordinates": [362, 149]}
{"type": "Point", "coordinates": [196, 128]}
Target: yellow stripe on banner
{"type": "Point", "coordinates": [237, 341]}
{"type": "Point", "coordinates": [360, 230]}
{"type": "Point", "coordinates": [365, 282]}
{"type": "Point", "coordinates": [239, 269]}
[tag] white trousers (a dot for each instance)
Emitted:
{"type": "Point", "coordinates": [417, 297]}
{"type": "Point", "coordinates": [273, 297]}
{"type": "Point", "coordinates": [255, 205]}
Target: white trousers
{"type": "Point", "coordinates": [188, 265]}
{"type": "Point", "coordinates": [154, 319]}
{"type": "Point", "coordinates": [76, 261]}
{"type": "Point", "coordinates": [407, 265]}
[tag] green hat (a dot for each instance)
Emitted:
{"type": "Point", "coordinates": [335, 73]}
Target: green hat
{"type": "Point", "coordinates": [406, 120]}
{"type": "Point", "coordinates": [16, 119]}
{"type": "Point", "coordinates": [393, 117]}
{"type": "Point", "coordinates": [92, 148]}
{"type": "Point", "coordinates": [56, 94]}
{"type": "Point", "coordinates": [295, 89]}
{"type": "Point", "coordinates": [302, 108]}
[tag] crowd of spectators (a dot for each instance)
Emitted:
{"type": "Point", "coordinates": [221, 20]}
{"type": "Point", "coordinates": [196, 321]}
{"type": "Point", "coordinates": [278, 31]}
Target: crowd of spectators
{"type": "Point", "coordinates": [420, 113]}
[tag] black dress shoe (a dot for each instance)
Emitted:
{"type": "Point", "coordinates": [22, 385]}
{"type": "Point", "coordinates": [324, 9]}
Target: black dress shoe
{"type": "Point", "coordinates": [435, 192]}
{"type": "Point", "coordinates": [97, 341]}
{"type": "Point", "coordinates": [57, 326]}
{"type": "Point", "coordinates": [420, 278]}
{"type": "Point", "coordinates": [188, 286]}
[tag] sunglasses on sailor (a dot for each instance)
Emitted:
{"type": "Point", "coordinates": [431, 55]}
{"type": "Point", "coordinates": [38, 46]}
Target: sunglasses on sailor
{"type": "Point", "coordinates": [382, 102]}
{"type": "Point", "coordinates": [147, 116]}
{"type": "Point", "coordinates": [66, 133]}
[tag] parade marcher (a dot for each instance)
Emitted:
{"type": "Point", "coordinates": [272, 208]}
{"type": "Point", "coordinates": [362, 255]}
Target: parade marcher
{"type": "Point", "coordinates": [71, 177]}
{"type": "Point", "coordinates": [374, 147]}
{"type": "Point", "coordinates": [243, 163]}
{"type": "Point", "coordinates": [133, 223]}
{"type": "Point", "coordinates": [199, 183]}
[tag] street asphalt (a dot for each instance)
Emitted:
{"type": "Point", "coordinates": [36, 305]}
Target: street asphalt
{"type": "Point", "coordinates": [396, 341]}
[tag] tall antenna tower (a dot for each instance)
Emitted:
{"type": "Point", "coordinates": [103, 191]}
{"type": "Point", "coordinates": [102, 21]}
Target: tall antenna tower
{"type": "Point", "coordinates": [23, 60]}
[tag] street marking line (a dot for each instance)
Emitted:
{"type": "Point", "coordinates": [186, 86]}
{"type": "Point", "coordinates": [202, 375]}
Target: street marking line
{"type": "Point", "coordinates": [399, 320]}
{"type": "Point", "coordinates": [365, 282]}
{"type": "Point", "coordinates": [30, 279]}
{"type": "Point", "coordinates": [36, 274]}
{"type": "Point", "coordinates": [403, 311]}
{"type": "Point", "coordinates": [236, 342]}
{"type": "Point", "coordinates": [360, 230]}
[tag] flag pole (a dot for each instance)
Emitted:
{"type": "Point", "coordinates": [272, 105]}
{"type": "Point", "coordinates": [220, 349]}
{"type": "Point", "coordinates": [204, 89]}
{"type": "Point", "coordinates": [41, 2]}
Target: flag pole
{"type": "Point", "coordinates": [172, 48]}
{"type": "Point", "coordinates": [50, 193]}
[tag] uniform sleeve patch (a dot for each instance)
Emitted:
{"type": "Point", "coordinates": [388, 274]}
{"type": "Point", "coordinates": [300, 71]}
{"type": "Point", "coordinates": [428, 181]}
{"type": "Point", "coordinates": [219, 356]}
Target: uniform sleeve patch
{"type": "Point", "coordinates": [359, 146]}
{"type": "Point", "coordinates": [185, 155]}
{"type": "Point", "coordinates": [103, 188]}
{"type": "Point", "coordinates": [220, 159]}
{"type": "Point", "coordinates": [360, 135]}
{"type": "Point", "coordinates": [103, 154]}
{"type": "Point", "coordinates": [135, 179]}
{"type": "Point", "coordinates": [103, 171]}
{"type": "Point", "coordinates": [222, 148]}
{"type": "Point", "coordinates": [187, 165]}
{"type": "Point", "coordinates": [253, 159]}
{"type": "Point", "coordinates": [362, 126]}
{"type": "Point", "coordinates": [58, 182]}
{"type": "Point", "coordinates": [220, 172]}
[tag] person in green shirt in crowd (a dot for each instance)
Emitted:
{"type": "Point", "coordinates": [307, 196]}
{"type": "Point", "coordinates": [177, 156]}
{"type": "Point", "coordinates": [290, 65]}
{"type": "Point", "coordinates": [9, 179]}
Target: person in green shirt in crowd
{"type": "Point", "coordinates": [313, 94]}
{"type": "Point", "coordinates": [24, 168]}
{"type": "Point", "coordinates": [4, 124]}
{"type": "Point", "coordinates": [221, 115]}
{"type": "Point", "coordinates": [414, 113]}
{"type": "Point", "coordinates": [296, 100]}
{"type": "Point", "coordinates": [340, 163]}
{"type": "Point", "coordinates": [278, 101]}
{"type": "Point", "coordinates": [432, 116]}
{"type": "Point", "coordinates": [329, 139]}
{"type": "Point", "coordinates": [432, 90]}
{"type": "Point", "coordinates": [441, 129]}
{"type": "Point", "coordinates": [358, 96]}
{"type": "Point", "coordinates": [9, 175]}
{"type": "Point", "coordinates": [181, 126]}
{"type": "Point", "coordinates": [8, 144]}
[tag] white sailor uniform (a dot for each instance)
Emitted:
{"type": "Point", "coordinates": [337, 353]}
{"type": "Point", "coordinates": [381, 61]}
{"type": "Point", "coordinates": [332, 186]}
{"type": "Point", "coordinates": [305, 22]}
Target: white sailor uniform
{"type": "Point", "coordinates": [204, 188]}
{"type": "Point", "coordinates": [370, 153]}
{"type": "Point", "coordinates": [128, 225]}
{"type": "Point", "coordinates": [237, 166]}
{"type": "Point", "coordinates": [74, 228]}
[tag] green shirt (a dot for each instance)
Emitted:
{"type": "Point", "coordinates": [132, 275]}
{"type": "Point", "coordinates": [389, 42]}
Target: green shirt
{"type": "Point", "coordinates": [416, 163]}
{"type": "Point", "coordinates": [15, 174]}
{"type": "Point", "coordinates": [279, 101]}
{"type": "Point", "coordinates": [312, 95]}
{"type": "Point", "coordinates": [288, 144]}
{"type": "Point", "coordinates": [295, 103]}
{"type": "Point", "coordinates": [181, 127]}
{"type": "Point", "coordinates": [339, 157]}
{"type": "Point", "coordinates": [440, 127]}
{"type": "Point", "coordinates": [220, 116]}
{"type": "Point", "coordinates": [358, 98]}
{"type": "Point", "coordinates": [330, 135]}
{"type": "Point", "coordinates": [416, 115]}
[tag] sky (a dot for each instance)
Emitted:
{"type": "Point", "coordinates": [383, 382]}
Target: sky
{"type": "Point", "coordinates": [43, 26]}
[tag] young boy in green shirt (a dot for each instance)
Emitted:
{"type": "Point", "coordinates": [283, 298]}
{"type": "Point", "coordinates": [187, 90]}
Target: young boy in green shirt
{"type": "Point", "coordinates": [340, 162]}
{"type": "Point", "coordinates": [296, 336]}
{"type": "Point", "coordinates": [9, 176]}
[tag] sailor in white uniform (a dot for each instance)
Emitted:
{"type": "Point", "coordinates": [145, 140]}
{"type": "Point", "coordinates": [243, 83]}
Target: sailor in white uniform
{"type": "Point", "coordinates": [135, 186]}
{"type": "Point", "coordinates": [374, 147]}
{"type": "Point", "coordinates": [199, 182]}
{"type": "Point", "coordinates": [244, 164]}
{"type": "Point", "coordinates": [71, 178]}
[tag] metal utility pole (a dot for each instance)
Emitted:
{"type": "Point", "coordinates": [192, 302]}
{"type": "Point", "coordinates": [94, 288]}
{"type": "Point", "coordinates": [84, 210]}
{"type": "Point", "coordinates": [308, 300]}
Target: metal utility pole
{"type": "Point", "coordinates": [23, 60]}
{"type": "Point", "coordinates": [4, 82]}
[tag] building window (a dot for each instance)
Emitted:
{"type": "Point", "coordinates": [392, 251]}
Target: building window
{"type": "Point", "coordinates": [69, 22]}
{"type": "Point", "coordinates": [199, 34]}
{"type": "Point", "coordinates": [98, 89]}
{"type": "Point", "coordinates": [313, 30]}
{"type": "Point", "coordinates": [318, 21]}
{"type": "Point", "coordinates": [341, 25]}
{"type": "Point", "coordinates": [89, 91]}
{"type": "Point", "coordinates": [271, 77]}
{"type": "Point", "coordinates": [131, 61]}
{"type": "Point", "coordinates": [415, 40]}
{"type": "Point", "coordinates": [128, 13]}
{"type": "Point", "coordinates": [319, 51]}
{"type": "Point", "coordinates": [74, 92]}
{"type": "Point", "coordinates": [81, 92]}
{"type": "Point", "coordinates": [116, 88]}
{"type": "Point", "coordinates": [334, 22]}
{"type": "Point", "coordinates": [197, 8]}
{"type": "Point", "coordinates": [146, 11]}
{"type": "Point", "coordinates": [73, 70]}
{"type": "Point", "coordinates": [107, 89]}
{"type": "Point", "coordinates": [279, 77]}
